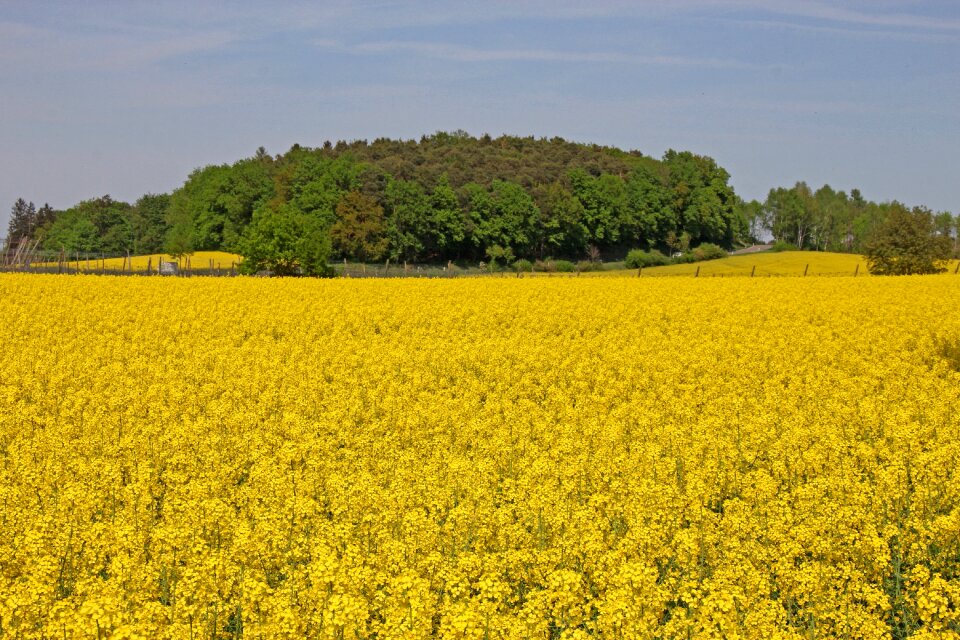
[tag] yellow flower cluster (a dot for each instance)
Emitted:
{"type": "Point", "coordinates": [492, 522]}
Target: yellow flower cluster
{"type": "Point", "coordinates": [479, 458]}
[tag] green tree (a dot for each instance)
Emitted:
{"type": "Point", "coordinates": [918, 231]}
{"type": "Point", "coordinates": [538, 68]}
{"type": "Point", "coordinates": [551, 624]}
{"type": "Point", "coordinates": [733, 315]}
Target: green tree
{"type": "Point", "coordinates": [946, 226]}
{"type": "Point", "coordinates": [359, 231]}
{"type": "Point", "coordinates": [100, 225]}
{"type": "Point", "coordinates": [148, 221]}
{"type": "Point", "coordinates": [23, 222]}
{"type": "Point", "coordinates": [701, 198]}
{"type": "Point", "coordinates": [285, 242]}
{"type": "Point", "coordinates": [503, 215]}
{"type": "Point", "coordinates": [906, 242]}
{"type": "Point", "coordinates": [602, 200]}
{"type": "Point", "coordinates": [319, 183]}
{"type": "Point", "coordinates": [72, 232]}
{"type": "Point", "coordinates": [217, 202]}
{"type": "Point", "coordinates": [560, 228]}
{"type": "Point", "coordinates": [447, 229]}
{"type": "Point", "coordinates": [649, 216]}
{"type": "Point", "coordinates": [408, 219]}
{"type": "Point", "coordinates": [45, 217]}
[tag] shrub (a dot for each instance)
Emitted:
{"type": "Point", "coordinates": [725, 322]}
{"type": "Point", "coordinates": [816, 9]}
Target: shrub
{"type": "Point", "coordinates": [589, 265]}
{"type": "Point", "coordinates": [708, 251]}
{"type": "Point", "coordinates": [523, 265]}
{"type": "Point", "coordinates": [783, 245]}
{"type": "Point", "coordinates": [639, 258]}
{"type": "Point", "coordinates": [564, 266]}
{"type": "Point", "coordinates": [907, 243]}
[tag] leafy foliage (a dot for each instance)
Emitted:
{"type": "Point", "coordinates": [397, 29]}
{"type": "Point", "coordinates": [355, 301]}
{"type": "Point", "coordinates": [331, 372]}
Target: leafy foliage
{"type": "Point", "coordinates": [451, 197]}
{"type": "Point", "coordinates": [285, 242]}
{"type": "Point", "coordinates": [906, 243]}
{"type": "Point", "coordinates": [23, 221]}
{"type": "Point", "coordinates": [639, 258]}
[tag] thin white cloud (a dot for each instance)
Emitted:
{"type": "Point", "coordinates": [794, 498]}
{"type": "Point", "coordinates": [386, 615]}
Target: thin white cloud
{"type": "Point", "coordinates": [43, 49]}
{"type": "Point", "coordinates": [853, 32]}
{"type": "Point", "coordinates": [365, 17]}
{"type": "Point", "coordinates": [460, 53]}
{"type": "Point", "coordinates": [834, 13]}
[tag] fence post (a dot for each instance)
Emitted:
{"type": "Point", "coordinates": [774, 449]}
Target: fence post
{"type": "Point", "coordinates": [640, 272]}
{"type": "Point", "coordinates": [857, 270]}
{"type": "Point", "coordinates": [753, 270]}
{"type": "Point", "coordinates": [957, 270]}
{"type": "Point", "coordinates": [805, 269]}
{"type": "Point", "coordinates": [697, 274]}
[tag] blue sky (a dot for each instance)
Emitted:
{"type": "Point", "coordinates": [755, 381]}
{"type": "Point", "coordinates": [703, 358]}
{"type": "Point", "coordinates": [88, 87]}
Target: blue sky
{"type": "Point", "coordinates": [128, 97]}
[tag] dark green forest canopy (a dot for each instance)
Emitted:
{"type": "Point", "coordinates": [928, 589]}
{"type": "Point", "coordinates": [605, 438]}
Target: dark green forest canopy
{"type": "Point", "coordinates": [451, 196]}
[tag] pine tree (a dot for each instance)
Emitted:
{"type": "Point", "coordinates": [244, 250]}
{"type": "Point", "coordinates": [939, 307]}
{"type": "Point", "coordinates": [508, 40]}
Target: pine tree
{"type": "Point", "coordinates": [23, 220]}
{"type": "Point", "coordinates": [45, 216]}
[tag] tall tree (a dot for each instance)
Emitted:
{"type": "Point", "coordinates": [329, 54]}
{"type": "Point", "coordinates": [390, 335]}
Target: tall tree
{"type": "Point", "coordinates": [447, 226]}
{"type": "Point", "coordinates": [408, 219]}
{"type": "Point", "coordinates": [23, 221]}
{"type": "Point", "coordinates": [359, 231]}
{"type": "Point", "coordinates": [906, 243]}
{"type": "Point", "coordinates": [285, 241]}
{"type": "Point", "coordinates": [45, 217]}
{"type": "Point", "coordinates": [100, 225]}
{"type": "Point", "coordinates": [148, 221]}
{"type": "Point", "coordinates": [701, 198]}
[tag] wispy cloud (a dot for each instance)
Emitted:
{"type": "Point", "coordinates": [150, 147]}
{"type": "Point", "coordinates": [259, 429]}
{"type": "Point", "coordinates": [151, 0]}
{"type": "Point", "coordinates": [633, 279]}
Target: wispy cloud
{"type": "Point", "coordinates": [848, 31]}
{"type": "Point", "coordinates": [834, 13]}
{"type": "Point", "coordinates": [42, 49]}
{"type": "Point", "coordinates": [461, 53]}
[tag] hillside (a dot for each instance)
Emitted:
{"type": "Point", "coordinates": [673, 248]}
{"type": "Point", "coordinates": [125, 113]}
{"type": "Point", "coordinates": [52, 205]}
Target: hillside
{"type": "Point", "coordinates": [444, 197]}
{"type": "Point", "coordinates": [450, 197]}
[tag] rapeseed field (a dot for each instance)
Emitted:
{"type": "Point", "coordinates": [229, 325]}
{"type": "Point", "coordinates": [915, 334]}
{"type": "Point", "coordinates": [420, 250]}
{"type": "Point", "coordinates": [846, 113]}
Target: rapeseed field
{"type": "Point", "coordinates": [479, 458]}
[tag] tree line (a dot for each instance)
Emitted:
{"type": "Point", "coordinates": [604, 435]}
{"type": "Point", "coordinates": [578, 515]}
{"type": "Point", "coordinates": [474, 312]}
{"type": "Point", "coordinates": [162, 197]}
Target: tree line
{"type": "Point", "coordinates": [453, 197]}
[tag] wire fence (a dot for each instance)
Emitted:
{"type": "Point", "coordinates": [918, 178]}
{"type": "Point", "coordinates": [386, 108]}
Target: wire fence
{"type": "Point", "coordinates": [26, 257]}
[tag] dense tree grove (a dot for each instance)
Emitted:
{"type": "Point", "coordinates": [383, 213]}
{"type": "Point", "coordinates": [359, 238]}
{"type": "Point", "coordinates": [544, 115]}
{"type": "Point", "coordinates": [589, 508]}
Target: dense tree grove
{"type": "Point", "coordinates": [829, 220]}
{"type": "Point", "coordinates": [450, 196]}
{"type": "Point", "coordinates": [907, 242]}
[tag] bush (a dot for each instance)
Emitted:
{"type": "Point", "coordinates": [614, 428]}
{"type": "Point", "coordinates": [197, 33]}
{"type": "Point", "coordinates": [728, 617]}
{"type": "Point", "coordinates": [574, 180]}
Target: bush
{"type": "Point", "coordinates": [564, 266]}
{"type": "Point", "coordinates": [544, 266]}
{"type": "Point", "coordinates": [523, 265]}
{"type": "Point", "coordinates": [639, 258]}
{"type": "Point", "coordinates": [783, 245]}
{"type": "Point", "coordinates": [708, 251]}
{"type": "Point", "coordinates": [590, 265]}
{"type": "Point", "coordinates": [907, 243]}
{"type": "Point", "coordinates": [285, 242]}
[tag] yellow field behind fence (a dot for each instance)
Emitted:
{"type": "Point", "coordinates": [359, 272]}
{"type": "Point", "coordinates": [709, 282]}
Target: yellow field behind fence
{"type": "Point", "coordinates": [785, 263]}
{"type": "Point", "coordinates": [479, 458]}
{"type": "Point", "coordinates": [199, 260]}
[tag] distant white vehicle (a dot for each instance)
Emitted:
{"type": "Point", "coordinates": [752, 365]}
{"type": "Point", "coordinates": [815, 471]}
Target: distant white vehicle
{"type": "Point", "coordinates": [676, 254]}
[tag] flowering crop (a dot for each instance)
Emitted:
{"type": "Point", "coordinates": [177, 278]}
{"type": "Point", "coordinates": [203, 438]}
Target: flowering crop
{"type": "Point", "coordinates": [479, 458]}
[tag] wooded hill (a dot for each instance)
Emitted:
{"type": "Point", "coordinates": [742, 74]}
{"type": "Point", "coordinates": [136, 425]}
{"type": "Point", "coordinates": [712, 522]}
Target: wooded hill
{"type": "Point", "coordinates": [451, 196]}
{"type": "Point", "coordinates": [444, 197]}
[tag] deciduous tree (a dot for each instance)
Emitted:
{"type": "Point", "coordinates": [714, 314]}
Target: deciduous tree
{"type": "Point", "coordinates": [906, 243]}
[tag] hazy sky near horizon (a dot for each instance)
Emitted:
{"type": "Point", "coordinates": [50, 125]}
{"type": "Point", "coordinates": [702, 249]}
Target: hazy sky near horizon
{"type": "Point", "coordinates": [128, 97]}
